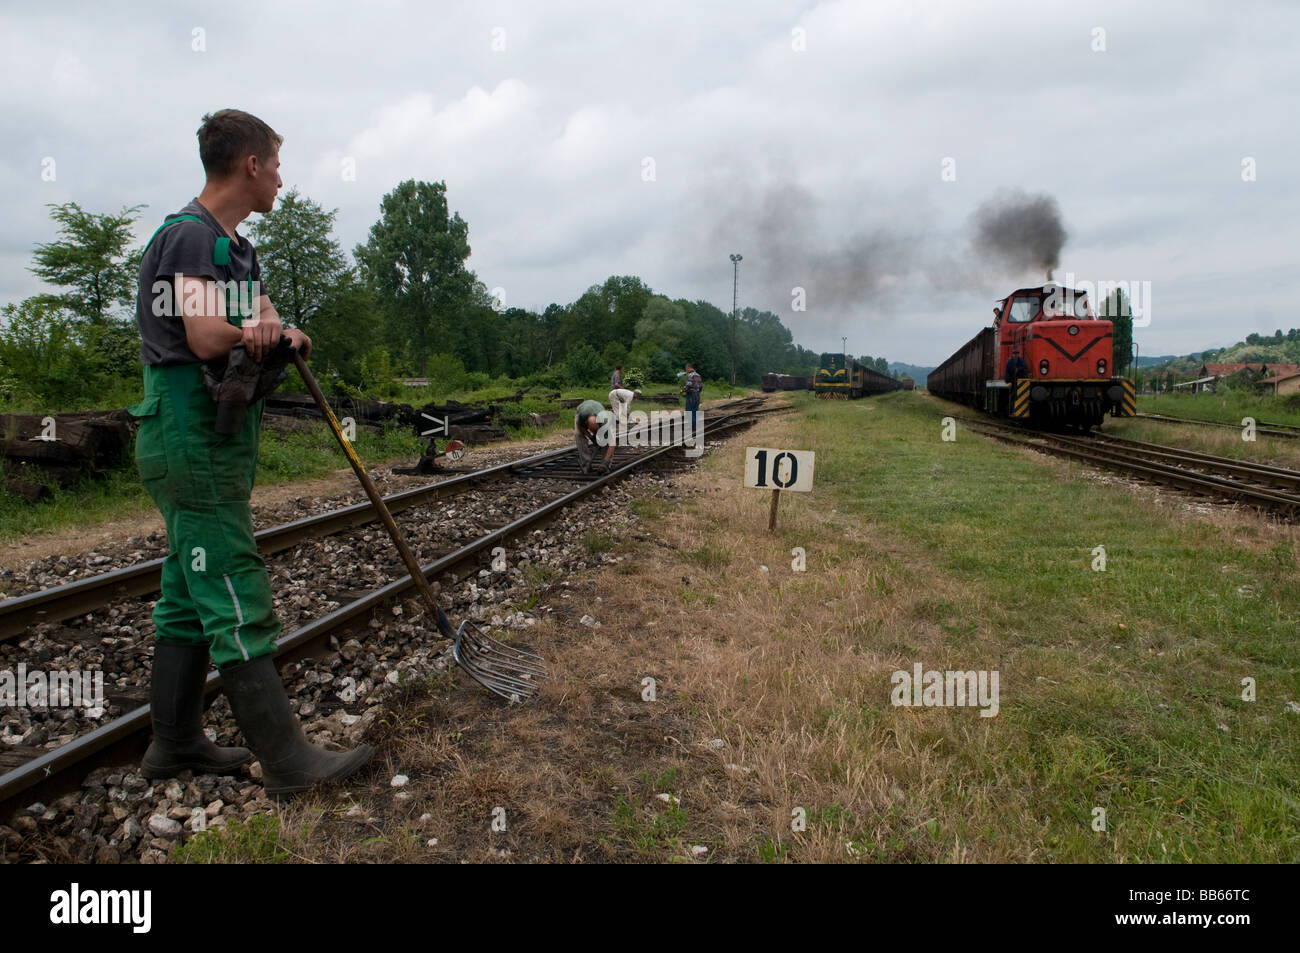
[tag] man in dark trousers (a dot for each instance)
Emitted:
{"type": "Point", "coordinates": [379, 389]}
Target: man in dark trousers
{"type": "Point", "coordinates": [587, 423]}
{"type": "Point", "coordinates": [199, 297]}
{"type": "Point", "coordinates": [692, 387]}
{"type": "Point", "coordinates": [1016, 367]}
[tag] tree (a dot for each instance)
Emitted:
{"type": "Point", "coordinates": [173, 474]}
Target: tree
{"type": "Point", "coordinates": [91, 258]}
{"type": "Point", "coordinates": [345, 327]}
{"type": "Point", "coordinates": [301, 263]}
{"type": "Point", "coordinates": [42, 351]}
{"type": "Point", "coordinates": [1116, 309]}
{"type": "Point", "coordinates": [414, 259]}
{"type": "Point", "coordinates": [661, 328]}
{"type": "Point", "coordinates": [584, 365]}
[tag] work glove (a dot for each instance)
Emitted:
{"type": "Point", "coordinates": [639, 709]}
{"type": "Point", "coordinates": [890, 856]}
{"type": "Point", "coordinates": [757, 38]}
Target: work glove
{"type": "Point", "coordinates": [238, 381]}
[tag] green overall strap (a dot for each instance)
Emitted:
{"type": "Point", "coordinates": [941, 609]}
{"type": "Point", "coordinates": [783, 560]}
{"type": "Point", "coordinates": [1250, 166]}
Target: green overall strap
{"type": "Point", "coordinates": [220, 256]}
{"type": "Point", "coordinates": [185, 218]}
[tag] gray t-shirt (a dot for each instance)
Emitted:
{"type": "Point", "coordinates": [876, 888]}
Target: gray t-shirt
{"type": "Point", "coordinates": [187, 248]}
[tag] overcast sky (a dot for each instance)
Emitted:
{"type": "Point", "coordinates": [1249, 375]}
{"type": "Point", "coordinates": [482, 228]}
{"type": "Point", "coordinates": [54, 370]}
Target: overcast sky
{"type": "Point", "coordinates": [582, 139]}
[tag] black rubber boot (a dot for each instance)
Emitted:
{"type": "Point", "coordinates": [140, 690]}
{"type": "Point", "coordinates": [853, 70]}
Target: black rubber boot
{"type": "Point", "coordinates": [176, 704]}
{"type": "Point", "coordinates": [290, 763]}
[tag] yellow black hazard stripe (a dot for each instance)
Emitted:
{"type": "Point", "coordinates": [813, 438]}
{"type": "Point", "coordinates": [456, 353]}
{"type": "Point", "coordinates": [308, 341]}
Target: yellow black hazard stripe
{"type": "Point", "coordinates": [1128, 401]}
{"type": "Point", "coordinates": [1020, 399]}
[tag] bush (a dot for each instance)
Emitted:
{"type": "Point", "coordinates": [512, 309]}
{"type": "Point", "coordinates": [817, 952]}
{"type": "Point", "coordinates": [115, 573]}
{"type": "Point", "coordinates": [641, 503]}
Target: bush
{"type": "Point", "coordinates": [43, 348]}
{"type": "Point", "coordinates": [446, 373]}
{"type": "Point", "coordinates": [585, 366]}
{"type": "Point", "coordinates": [552, 378]}
{"type": "Point", "coordinates": [663, 367]}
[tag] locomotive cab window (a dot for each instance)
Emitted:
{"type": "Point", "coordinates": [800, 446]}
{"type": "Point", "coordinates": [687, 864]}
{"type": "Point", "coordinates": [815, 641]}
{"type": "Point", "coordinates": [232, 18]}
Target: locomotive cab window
{"type": "Point", "coordinates": [1022, 309]}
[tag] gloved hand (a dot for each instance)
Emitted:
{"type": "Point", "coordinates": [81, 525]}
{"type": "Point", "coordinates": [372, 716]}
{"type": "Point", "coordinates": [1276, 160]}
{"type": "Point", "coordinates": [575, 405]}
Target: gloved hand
{"type": "Point", "coordinates": [239, 381]}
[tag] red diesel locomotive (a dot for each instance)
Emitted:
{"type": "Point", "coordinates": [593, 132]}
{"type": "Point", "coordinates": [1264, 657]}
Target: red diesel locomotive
{"type": "Point", "coordinates": [1066, 377]}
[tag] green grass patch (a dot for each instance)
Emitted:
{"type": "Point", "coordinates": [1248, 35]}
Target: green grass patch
{"type": "Point", "coordinates": [708, 556]}
{"type": "Point", "coordinates": [1121, 689]}
{"type": "Point", "coordinates": [255, 841]}
{"type": "Point", "coordinates": [1228, 407]}
{"type": "Point", "coordinates": [597, 542]}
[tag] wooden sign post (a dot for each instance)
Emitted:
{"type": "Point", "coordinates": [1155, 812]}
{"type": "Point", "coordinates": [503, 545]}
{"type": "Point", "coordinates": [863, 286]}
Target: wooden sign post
{"type": "Point", "coordinates": [781, 470]}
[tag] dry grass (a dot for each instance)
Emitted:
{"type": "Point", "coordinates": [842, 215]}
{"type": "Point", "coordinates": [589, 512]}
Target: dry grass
{"type": "Point", "coordinates": [788, 670]}
{"type": "Point", "coordinates": [1225, 442]}
{"type": "Point", "coordinates": [772, 685]}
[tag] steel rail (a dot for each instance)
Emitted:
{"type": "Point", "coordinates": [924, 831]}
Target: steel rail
{"type": "Point", "coordinates": [1159, 473]}
{"type": "Point", "coordinates": [122, 739]}
{"type": "Point", "coordinates": [72, 599]}
{"type": "Point", "coordinates": [1261, 427]}
{"type": "Point", "coordinates": [1283, 477]}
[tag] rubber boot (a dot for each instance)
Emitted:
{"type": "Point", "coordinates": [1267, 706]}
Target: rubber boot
{"type": "Point", "coordinates": [290, 763]}
{"type": "Point", "coordinates": [176, 704]}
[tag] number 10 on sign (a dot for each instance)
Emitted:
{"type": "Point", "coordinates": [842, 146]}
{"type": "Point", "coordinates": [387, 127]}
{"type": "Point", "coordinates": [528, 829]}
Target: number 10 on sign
{"type": "Point", "coordinates": [767, 467]}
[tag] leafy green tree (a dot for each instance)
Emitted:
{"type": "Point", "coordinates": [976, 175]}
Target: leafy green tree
{"type": "Point", "coordinates": [91, 258]}
{"type": "Point", "coordinates": [41, 349]}
{"type": "Point", "coordinates": [662, 326]}
{"type": "Point", "coordinates": [301, 263]}
{"type": "Point", "coordinates": [663, 367]}
{"type": "Point", "coordinates": [345, 327]}
{"type": "Point", "coordinates": [584, 365]}
{"type": "Point", "coordinates": [1117, 310]}
{"type": "Point", "coordinates": [615, 353]}
{"type": "Point", "coordinates": [414, 259]}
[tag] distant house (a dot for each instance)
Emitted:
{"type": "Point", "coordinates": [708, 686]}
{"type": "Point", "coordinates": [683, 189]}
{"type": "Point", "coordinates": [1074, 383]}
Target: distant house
{"type": "Point", "coordinates": [1223, 370]}
{"type": "Point", "coordinates": [1281, 370]}
{"type": "Point", "coordinates": [1279, 385]}
{"type": "Point", "coordinates": [1198, 385]}
{"type": "Point", "coordinates": [1211, 373]}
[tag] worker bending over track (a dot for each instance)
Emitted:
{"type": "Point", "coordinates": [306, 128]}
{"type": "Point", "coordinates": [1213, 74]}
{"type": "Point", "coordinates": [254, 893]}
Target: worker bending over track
{"type": "Point", "coordinates": [587, 425]}
{"type": "Point", "coordinates": [200, 309]}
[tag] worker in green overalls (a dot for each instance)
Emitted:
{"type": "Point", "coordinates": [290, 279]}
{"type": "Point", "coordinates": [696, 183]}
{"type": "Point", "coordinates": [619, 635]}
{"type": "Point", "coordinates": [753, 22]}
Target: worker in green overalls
{"type": "Point", "coordinates": [200, 296]}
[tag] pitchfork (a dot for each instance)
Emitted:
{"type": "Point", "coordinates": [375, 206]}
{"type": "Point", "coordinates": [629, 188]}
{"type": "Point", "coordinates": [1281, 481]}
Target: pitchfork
{"type": "Point", "coordinates": [509, 672]}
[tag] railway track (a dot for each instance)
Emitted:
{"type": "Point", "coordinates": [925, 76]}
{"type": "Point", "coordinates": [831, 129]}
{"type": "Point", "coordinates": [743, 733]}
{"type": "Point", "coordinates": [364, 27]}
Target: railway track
{"type": "Point", "coordinates": [55, 771]}
{"type": "Point", "coordinates": [73, 599]}
{"type": "Point", "coordinates": [1272, 489]}
{"type": "Point", "coordinates": [1285, 431]}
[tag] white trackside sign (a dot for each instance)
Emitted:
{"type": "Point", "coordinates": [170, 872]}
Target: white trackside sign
{"type": "Point", "coordinates": [770, 469]}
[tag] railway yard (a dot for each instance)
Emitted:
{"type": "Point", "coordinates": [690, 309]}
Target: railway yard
{"type": "Point", "coordinates": [710, 681]}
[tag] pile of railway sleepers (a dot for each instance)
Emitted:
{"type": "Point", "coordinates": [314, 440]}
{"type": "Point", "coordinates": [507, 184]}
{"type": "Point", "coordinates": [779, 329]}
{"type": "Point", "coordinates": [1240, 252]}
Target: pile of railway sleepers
{"type": "Point", "coordinates": [59, 449]}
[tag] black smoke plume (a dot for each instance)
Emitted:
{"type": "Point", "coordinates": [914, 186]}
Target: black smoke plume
{"type": "Point", "coordinates": [1022, 232]}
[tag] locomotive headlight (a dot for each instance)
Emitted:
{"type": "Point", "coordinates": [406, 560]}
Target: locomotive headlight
{"type": "Point", "coordinates": [1042, 367]}
{"type": "Point", "coordinates": [1101, 367]}
{"type": "Point", "coordinates": [1074, 329]}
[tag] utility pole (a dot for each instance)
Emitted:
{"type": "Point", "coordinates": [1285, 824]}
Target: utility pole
{"type": "Point", "coordinates": [735, 286]}
{"type": "Point", "coordinates": [844, 352]}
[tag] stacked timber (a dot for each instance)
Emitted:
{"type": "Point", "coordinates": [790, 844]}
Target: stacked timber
{"type": "Point", "coordinates": [360, 409]}
{"type": "Point", "coordinates": [40, 450]}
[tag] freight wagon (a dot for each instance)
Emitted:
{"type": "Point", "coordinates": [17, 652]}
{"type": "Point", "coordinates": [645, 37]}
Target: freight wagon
{"type": "Point", "coordinates": [774, 382]}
